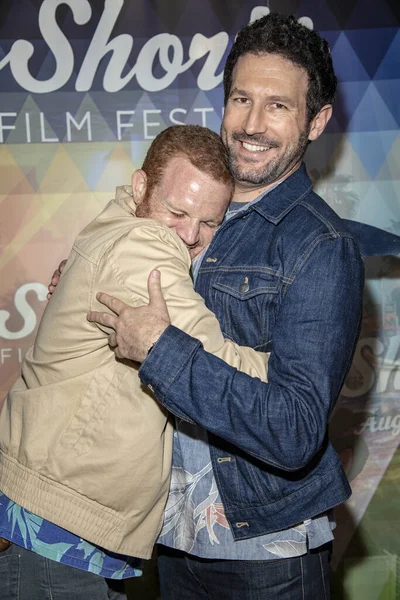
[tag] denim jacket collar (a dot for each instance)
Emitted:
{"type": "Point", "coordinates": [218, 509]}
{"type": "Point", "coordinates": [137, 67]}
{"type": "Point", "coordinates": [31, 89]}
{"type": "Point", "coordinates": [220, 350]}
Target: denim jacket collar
{"type": "Point", "coordinates": [281, 200]}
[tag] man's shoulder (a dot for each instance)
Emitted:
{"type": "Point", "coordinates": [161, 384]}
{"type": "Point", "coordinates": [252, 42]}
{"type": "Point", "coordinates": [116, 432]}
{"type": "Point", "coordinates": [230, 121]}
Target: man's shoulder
{"type": "Point", "coordinates": [320, 217]}
{"type": "Point", "coordinates": [314, 225]}
{"type": "Point", "coordinates": [293, 205]}
{"type": "Point", "coordinates": [309, 220]}
{"type": "Point", "coordinates": [114, 227]}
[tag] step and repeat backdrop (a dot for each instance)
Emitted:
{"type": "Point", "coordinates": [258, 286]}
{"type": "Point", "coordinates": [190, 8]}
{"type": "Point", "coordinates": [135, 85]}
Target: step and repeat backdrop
{"type": "Point", "coordinates": [85, 85]}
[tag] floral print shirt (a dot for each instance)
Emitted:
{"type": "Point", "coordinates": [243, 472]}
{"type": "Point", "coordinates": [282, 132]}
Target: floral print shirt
{"type": "Point", "coordinates": [25, 529]}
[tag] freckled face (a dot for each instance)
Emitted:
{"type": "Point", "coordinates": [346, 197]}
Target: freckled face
{"type": "Point", "coordinates": [190, 202]}
{"type": "Point", "coordinates": [264, 126]}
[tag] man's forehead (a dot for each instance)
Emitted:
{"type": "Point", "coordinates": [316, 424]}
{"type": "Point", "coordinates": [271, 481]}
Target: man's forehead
{"type": "Point", "coordinates": [203, 206]}
{"type": "Point", "coordinates": [181, 174]}
{"type": "Point", "coordinates": [268, 65]}
{"type": "Point", "coordinates": [179, 169]}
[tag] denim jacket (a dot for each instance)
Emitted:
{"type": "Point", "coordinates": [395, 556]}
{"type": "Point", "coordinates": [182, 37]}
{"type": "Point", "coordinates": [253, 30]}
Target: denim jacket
{"type": "Point", "coordinates": [283, 276]}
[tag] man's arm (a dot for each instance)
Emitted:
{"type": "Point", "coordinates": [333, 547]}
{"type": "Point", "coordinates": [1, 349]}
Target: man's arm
{"type": "Point", "coordinates": [282, 422]}
{"type": "Point", "coordinates": [123, 271]}
{"type": "Point", "coordinates": [134, 331]}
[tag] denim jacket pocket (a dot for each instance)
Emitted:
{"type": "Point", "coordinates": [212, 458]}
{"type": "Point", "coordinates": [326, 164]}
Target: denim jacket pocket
{"type": "Point", "coordinates": [241, 482]}
{"type": "Point", "coordinates": [246, 298]}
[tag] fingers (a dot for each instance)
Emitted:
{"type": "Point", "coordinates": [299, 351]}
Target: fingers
{"type": "Point", "coordinates": [112, 303]}
{"type": "Point", "coordinates": [112, 340]}
{"type": "Point", "coordinates": [55, 278]}
{"type": "Point", "coordinates": [102, 318]}
{"type": "Point", "coordinates": [154, 288]}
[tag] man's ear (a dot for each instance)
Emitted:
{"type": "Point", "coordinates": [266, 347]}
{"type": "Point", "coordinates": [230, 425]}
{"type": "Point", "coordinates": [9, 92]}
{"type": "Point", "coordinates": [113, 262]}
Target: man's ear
{"type": "Point", "coordinates": [319, 122]}
{"type": "Point", "coordinates": [139, 185]}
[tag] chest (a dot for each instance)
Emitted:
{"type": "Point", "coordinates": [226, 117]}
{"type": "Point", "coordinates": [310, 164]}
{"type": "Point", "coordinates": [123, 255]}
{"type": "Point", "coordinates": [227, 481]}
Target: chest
{"type": "Point", "coordinates": [243, 281]}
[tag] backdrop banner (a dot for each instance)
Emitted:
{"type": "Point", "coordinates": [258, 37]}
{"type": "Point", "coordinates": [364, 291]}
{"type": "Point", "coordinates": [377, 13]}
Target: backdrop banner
{"type": "Point", "coordinates": [84, 88]}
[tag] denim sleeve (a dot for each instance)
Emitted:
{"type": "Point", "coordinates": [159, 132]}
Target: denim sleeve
{"type": "Point", "coordinates": [282, 422]}
{"type": "Point", "coordinates": [373, 241]}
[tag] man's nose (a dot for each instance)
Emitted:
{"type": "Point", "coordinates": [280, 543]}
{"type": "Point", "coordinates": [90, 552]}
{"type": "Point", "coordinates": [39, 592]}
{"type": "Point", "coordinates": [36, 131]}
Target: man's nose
{"type": "Point", "coordinates": [255, 121]}
{"type": "Point", "coordinates": [190, 233]}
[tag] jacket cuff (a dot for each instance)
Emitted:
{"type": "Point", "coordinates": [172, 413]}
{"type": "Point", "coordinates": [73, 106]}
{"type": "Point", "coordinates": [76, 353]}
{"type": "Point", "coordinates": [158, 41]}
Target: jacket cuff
{"type": "Point", "coordinates": [164, 363]}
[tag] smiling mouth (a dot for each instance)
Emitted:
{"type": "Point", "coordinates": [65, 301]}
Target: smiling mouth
{"type": "Point", "coordinates": [254, 148]}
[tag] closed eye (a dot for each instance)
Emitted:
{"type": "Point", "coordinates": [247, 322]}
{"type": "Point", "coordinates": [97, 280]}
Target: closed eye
{"type": "Point", "coordinates": [211, 225]}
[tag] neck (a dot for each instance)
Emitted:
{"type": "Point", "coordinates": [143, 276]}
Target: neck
{"type": "Point", "coordinates": [247, 192]}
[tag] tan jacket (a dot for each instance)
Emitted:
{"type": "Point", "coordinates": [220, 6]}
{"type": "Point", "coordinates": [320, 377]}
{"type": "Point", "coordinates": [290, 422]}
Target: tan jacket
{"type": "Point", "coordinates": [82, 443]}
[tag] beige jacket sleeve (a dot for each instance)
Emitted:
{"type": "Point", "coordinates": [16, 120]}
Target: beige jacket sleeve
{"type": "Point", "coordinates": [123, 272]}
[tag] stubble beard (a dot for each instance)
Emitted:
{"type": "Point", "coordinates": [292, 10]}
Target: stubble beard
{"type": "Point", "coordinates": [272, 171]}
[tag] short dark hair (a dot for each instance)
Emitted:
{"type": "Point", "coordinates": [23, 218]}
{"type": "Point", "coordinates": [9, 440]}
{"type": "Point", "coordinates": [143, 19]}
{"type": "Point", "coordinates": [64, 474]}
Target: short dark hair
{"type": "Point", "coordinates": [201, 146]}
{"type": "Point", "coordinates": [286, 37]}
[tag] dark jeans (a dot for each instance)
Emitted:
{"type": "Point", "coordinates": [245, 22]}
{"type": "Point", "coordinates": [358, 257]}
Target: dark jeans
{"type": "Point", "coordinates": [25, 575]}
{"type": "Point", "coordinates": [190, 578]}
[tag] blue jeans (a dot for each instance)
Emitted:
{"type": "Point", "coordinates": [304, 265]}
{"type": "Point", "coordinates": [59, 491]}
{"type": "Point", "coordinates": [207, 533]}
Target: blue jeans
{"type": "Point", "coordinates": [301, 578]}
{"type": "Point", "coordinates": [25, 575]}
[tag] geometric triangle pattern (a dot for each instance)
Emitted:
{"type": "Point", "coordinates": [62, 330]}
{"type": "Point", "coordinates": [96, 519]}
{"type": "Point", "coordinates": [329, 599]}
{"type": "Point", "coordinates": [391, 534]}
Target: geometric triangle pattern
{"type": "Point", "coordinates": [348, 65]}
{"type": "Point", "coordinates": [390, 65]}
{"type": "Point", "coordinates": [372, 113]}
{"type": "Point", "coordinates": [371, 15]}
{"type": "Point", "coordinates": [362, 40]}
{"type": "Point", "coordinates": [389, 91]}
{"type": "Point", "coordinates": [348, 99]}
{"type": "Point", "coordinates": [372, 148]}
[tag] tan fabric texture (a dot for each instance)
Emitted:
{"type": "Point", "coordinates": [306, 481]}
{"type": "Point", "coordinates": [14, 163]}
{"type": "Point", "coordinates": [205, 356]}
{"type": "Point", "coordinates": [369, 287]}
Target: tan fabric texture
{"type": "Point", "coordinates": [82, 443]}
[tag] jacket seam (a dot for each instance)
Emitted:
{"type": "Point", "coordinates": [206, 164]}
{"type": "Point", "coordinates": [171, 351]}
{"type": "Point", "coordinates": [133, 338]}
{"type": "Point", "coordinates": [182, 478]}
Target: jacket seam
{"type": "Point", "coordinates": [246, 269]}
{"type": "Point", "coordinates": [253, 507]}
{"type": "Point", "coordinates": [116, 270]}
{"type": "Point", "coordinates": [55, 485]}
{"type": "Point", "coordinates": [117, 275]}
{"type": "Point", "coordinates": [92, 289]}
{"type": "Point", "coordinates": [328, 506]}
{"type": "Point", "coordinates": [286, 210]}
{"type": "Point", "coordinates": [84, 255]}
{"type": "Point", "coordinates": [170, 382]}
{"type": "Point", "coordinates": [306, 255]}
{"type": "Point", "coordinates": [320, 217]}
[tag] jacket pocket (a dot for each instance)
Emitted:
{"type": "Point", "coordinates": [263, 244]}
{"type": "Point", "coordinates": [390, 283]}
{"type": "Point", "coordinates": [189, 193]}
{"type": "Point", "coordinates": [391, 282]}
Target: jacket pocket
{"type": "Point", "coordinates": [245, 300]}
{"type": "Point", "coordinates": [242, 482]}
{"type": "Point", "coordinates": [86, 426]}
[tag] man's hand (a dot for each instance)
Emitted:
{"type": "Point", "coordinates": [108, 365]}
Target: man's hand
{"type": "Point", "coordinates": [135, 329]}
{"type": "Point", "coordinates": [55, 278]}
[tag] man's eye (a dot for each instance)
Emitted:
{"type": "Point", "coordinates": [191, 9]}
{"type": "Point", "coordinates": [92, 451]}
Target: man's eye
{"type": "Point", "coordinates": [178, 215]}
{"type": "Point", "coordinates": [241, 100]}
{"type": "Point", "coordinates": [210, 225]}
{"type": "Point", "coordinates": [278, 105]}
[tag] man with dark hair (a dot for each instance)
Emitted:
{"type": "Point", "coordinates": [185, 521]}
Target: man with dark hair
{"type": "Point", "coordinates": [86, 451]}
{"type": "Point", "coordinates": [283, 275]}
{"type": "Point", "coordinates": [286, 37]}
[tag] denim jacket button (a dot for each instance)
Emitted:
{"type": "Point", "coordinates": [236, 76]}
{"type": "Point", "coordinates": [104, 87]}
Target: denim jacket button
{"type": "Point", "coordinates": [244, 287]}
